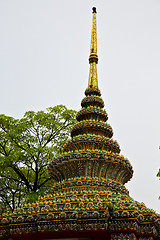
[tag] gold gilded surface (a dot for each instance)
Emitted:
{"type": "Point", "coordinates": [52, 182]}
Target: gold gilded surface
{"type": "Point", "coordinates": [93, 79]}
{"type": "Point", "coordinates": [94, 36]}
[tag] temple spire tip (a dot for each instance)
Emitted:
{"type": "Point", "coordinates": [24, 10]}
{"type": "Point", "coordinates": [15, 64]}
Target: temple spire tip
{"type": "Point", "coordinates": [94, 10]}
{"type": "Point", "coordinates": [93, 58]}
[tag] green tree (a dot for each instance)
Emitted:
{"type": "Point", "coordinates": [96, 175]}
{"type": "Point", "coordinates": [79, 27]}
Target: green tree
{"type": "Point", "coordinates": [26, 147]}
{"type": "Point", "coordinates": [158, 174]}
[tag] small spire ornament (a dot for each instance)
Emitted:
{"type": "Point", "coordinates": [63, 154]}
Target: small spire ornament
{"type": "Point", "coordinates": [93, 58]}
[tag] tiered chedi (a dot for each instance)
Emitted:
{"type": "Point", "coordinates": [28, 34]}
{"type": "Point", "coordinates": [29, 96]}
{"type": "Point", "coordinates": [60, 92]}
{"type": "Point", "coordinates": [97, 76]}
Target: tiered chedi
{"type": "Point", "coordinates": [92, 152]}
{"type": "Point", "coordinates": [89, 197]}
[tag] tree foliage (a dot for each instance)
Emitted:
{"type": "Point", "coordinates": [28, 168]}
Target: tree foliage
{"type": "Point", "coordinates": [26, 147]}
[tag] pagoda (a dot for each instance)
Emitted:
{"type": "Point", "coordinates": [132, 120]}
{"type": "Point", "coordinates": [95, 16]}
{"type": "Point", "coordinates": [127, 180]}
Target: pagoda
{"type": "Point", "coordinates": [89, 199]}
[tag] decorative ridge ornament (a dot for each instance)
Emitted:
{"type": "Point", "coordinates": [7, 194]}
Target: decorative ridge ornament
{"type": "Point", "coordinates": [93, 58]}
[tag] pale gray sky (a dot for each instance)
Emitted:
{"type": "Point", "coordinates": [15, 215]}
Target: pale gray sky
{"type": "Point", "coordinates": [44, 50]}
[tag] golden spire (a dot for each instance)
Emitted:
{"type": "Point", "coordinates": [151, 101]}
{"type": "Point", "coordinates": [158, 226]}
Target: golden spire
{"type": "Point", "coordinates": [93, 58]}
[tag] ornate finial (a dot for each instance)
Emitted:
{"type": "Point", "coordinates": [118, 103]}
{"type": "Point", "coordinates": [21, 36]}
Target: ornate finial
{"type": "Point", "coordinates": [93, 58]}
{"type": "Point", "coordinates": [94, 10]}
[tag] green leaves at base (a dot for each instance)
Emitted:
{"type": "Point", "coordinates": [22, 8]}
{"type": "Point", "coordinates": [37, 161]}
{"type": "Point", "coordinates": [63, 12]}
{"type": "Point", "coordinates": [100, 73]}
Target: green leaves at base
{"type": "Point", "coordinates": [26, 147]}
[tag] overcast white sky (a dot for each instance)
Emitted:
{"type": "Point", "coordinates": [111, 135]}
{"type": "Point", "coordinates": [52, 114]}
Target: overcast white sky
{"type": "Point", "coordinates": [44, 50]}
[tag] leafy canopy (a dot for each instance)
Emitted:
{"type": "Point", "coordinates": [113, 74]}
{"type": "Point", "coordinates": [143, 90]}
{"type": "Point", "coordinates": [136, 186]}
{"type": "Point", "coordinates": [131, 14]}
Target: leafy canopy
{"type": "Point", "coordinates": [26, 147]}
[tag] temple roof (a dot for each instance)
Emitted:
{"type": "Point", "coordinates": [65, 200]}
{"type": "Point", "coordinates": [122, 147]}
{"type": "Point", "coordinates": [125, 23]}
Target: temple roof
{"type": "Point", "coordinates": [89, 192]}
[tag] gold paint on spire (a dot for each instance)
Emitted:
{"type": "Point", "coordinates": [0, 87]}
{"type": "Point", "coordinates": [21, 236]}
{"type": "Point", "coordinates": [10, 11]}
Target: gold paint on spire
{"type": "Point", "coordinates": [93, 58]}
